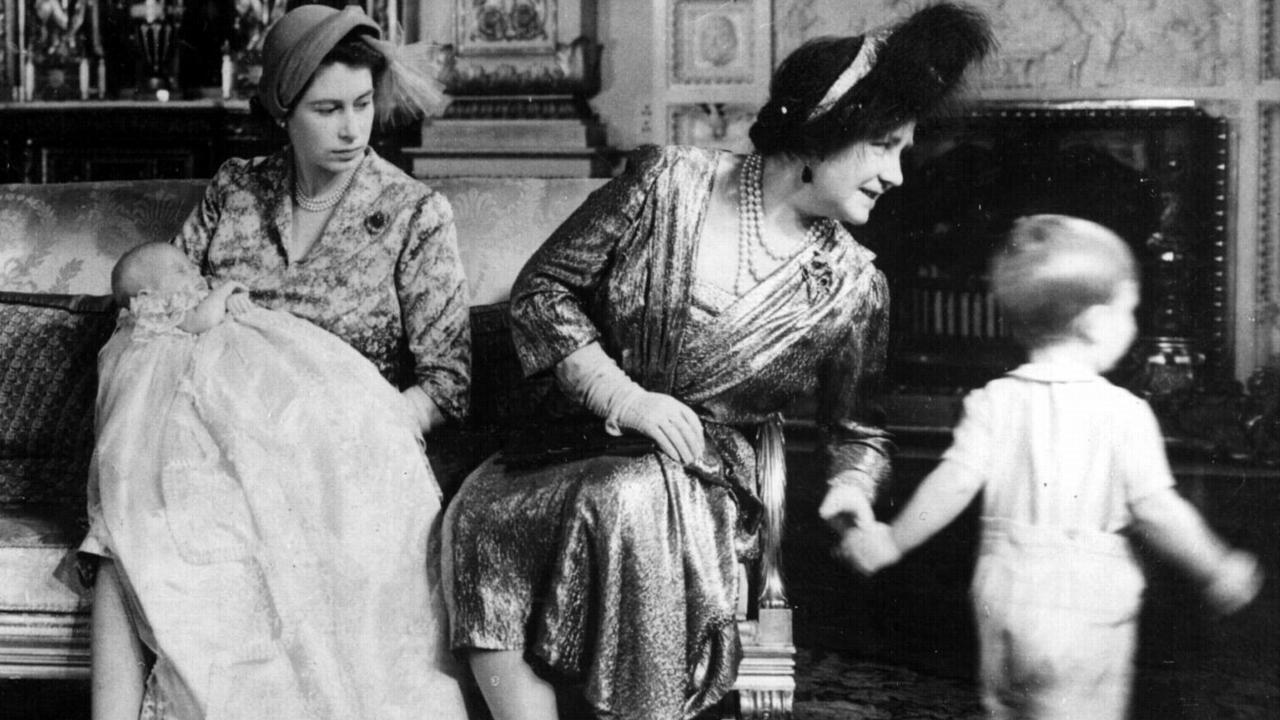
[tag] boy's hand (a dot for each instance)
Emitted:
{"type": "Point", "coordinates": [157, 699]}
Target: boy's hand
{"type": "Point", "coordinates": [868, 548]}
{"type": "Point", "coordinates": [1236, 583]}
{"type": "Point", "coordinates": [239, 302]}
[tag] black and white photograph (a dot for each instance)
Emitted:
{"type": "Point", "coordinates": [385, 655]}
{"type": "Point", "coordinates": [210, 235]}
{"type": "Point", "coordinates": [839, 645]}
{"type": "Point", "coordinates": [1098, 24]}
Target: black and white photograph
{"type": "Point", "coordinates": [639, 360]}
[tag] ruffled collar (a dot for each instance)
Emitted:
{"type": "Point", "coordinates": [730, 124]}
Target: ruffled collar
{"type": "Point", "coordinates": [156, 312]}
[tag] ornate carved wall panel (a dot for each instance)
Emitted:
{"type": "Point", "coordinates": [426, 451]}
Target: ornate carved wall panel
{"type": "Point", "coordinates": [1069, 43]}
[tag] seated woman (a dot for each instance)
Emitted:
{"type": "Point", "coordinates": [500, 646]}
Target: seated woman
{"type": "Point", "coordinates": [263, 580]}
{"type": "Point", "coordinates": [336, 236]}
{"type": "Point", "coordinates": [682, 307]}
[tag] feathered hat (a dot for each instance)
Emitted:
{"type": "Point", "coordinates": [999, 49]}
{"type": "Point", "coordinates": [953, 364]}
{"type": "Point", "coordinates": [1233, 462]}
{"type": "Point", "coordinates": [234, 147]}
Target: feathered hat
{"type": "Point", "coordinates": [833, 91]}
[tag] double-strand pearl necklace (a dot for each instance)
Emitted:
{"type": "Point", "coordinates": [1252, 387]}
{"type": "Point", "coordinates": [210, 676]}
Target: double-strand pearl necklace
{"type": "Point", "coordinates": [324, 202]}
{"type": "Point", "coordinates": [750, 237]}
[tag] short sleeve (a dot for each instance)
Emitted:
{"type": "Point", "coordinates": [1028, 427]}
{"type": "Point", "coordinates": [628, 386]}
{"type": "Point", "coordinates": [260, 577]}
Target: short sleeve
{"type": "Point", "coordinates": [971, 444]}
{"type": "Point", "coordinates": [1139, 461]}
{"type": "Point", "coordinates": [434, 304]}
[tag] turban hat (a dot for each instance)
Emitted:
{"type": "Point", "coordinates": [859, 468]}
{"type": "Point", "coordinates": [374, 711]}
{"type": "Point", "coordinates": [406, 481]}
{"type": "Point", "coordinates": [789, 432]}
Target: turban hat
{"type": "Point", "coordinates": [297, 43]}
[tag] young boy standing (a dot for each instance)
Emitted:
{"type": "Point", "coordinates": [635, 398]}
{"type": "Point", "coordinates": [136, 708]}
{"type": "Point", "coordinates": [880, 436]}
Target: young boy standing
{"type": "Point", "coordinates": [1070, 466]}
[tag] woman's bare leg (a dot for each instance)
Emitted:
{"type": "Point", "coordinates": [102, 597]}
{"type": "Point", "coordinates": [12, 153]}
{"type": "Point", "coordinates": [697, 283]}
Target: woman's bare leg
{"type": "Point", "coordinates": [511, 688]}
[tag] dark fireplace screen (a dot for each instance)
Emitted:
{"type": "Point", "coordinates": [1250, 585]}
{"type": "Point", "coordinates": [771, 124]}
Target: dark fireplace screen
{"type": "Point", "coordinates": [1156, 176]}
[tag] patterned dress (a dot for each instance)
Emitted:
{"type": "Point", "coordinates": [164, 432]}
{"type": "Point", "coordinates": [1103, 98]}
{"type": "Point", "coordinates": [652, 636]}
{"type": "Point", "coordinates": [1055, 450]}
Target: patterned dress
{"type": "Point", "coordinates": [616, 568]}
{"type": "Point", "coordinates": [385, 276]}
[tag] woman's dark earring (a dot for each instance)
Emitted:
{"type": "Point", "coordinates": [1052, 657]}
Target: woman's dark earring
{"type": "Point", "coordinates": [806, 175]}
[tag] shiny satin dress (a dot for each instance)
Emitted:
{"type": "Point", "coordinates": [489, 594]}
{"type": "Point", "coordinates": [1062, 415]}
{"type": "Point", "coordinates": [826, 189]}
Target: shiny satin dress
{"type": "Point", "coordinates": [617, 569]}
{"type": "Point", "coordinates": [262, 492]}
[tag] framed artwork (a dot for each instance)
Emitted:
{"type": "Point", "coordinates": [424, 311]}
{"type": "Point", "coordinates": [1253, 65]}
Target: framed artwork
{"type": "Point", "coordinates": [714, 42]}
{"type": "Point", "coordinates": [521, 27]}
{"type": "Point", "coordinates": [722, 126]}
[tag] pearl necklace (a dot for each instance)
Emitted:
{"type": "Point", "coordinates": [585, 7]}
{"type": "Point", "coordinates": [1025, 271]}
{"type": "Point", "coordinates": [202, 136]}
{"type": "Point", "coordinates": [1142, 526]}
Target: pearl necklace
{"type": "Point", "coordinates": [324, 202]}
{"type": "Point", "coordinates": [750, 212]}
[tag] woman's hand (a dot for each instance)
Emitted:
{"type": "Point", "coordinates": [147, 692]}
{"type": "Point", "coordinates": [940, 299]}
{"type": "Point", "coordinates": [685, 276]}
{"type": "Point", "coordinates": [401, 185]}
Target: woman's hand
{"type": "Point", "coordinates": [668, 422]}
{"type": "Point", "coordinates": [422, 408]}
{"type": "Point", "coordinates": [868, 548]}
{"type": "Point", "coordinates": [845, 507]}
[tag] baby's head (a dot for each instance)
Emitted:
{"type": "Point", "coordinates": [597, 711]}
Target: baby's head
{"type": "Point", "coordinates": [154, 267]}
{"type": "Point", "coordinates": [1061, 279]}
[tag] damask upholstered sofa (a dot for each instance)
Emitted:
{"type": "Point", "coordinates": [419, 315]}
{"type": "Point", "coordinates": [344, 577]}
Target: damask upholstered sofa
{"type": "Point", "coordinates": [57, 246]}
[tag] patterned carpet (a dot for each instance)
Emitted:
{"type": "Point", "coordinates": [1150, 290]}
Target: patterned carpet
{"type": "Point", "coordinates": [831, 686]}
{"type": "Point", "coordinates": [911, 656]}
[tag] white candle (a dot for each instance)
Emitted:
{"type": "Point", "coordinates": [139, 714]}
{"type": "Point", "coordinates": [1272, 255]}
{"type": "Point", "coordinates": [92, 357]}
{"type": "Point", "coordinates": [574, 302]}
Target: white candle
{"type": "Point", "coordinates": [226, 76]}
{"type": "Point", "coordinates": [84, 78]}
{"type": "Point", "coordinates": [28, 80]}
{"type": "Point", "coordinates": [102, 78]}
{"type": "Point", "coordinates": [22, 51]}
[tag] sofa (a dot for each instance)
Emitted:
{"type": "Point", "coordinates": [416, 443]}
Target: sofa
{"type": "Point", "coordinates": [57, 246]}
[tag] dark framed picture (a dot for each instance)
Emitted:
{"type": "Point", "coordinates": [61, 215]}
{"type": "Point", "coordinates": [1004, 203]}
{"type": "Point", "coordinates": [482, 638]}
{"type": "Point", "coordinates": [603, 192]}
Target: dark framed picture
{"type": "Point", "coordinates": [1157, 176]}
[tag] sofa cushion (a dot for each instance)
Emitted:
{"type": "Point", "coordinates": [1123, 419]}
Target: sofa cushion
{"type": "Point", "coordinates": [38, 558]}
{"type": "Point", "coordinates": [48, 384]}
{"type": "Point", "coordinates": [64, 238]}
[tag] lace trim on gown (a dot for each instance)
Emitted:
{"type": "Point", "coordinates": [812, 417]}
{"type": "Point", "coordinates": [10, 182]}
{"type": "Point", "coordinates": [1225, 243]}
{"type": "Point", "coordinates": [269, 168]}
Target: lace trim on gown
{"type": "Point", "coordinates": [156, 314]}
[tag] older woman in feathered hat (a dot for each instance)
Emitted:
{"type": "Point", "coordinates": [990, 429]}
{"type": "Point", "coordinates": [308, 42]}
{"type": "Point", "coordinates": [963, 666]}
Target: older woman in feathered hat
{"type": "Point", "coordinates": [680, 309]}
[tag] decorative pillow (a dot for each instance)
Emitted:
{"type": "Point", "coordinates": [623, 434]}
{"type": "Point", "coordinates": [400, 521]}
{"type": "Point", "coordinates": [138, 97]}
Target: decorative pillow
{"type": "Point", "coordinates": [48, 385]}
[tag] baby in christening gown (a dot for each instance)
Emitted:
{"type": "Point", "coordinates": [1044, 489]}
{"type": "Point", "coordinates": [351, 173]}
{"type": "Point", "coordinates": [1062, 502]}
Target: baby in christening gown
{"type": "Point", "coordinates": [261, 491]}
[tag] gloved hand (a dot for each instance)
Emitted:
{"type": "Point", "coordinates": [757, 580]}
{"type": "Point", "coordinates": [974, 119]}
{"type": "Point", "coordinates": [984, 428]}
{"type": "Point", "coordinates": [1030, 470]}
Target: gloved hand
{"type": "Point", "coordinates": [589, 375]}
{"type": "Point", "coordinates": [846, 506]}
{"type": "Point", "coordinates": [668, 422]}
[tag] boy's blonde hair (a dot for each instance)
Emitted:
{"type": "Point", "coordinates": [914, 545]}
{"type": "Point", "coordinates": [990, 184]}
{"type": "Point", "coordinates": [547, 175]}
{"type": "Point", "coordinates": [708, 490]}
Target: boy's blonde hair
{"type": "Point", "coordinates": [1054, 267]}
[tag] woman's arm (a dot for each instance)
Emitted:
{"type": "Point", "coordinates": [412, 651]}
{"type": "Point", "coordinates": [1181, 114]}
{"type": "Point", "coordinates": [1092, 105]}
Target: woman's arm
{"type": "Point", "coordinates": [592, 378]}
{"type": "Point", "coordinates": [550, 299]}
{"type": "Point", "coordinates": [944, 494]}
{"type": "Point", "coordinates": [119, 666]}
{"type": "Point", "coordinates": [857, 449]}
{"type": "Point", "coordinates": [196, 233]}
{"type": "Point", "coordinates": [434, 303]}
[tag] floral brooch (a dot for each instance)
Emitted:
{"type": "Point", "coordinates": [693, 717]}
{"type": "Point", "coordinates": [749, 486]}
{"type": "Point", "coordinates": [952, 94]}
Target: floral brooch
{"type": "Point", "coordinates": [375, 222]}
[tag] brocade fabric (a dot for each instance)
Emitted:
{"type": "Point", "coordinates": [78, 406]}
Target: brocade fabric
{"type": "Point", "coordinates": [617, 570]}
{"type": "Point", "coordinates": [385, 276]}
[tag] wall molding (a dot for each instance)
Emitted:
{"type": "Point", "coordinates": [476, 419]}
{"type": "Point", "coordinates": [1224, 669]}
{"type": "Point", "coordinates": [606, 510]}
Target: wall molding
{"type": "Point", "coordinates": [1268, 228]}
{"type": "Point", "coordinates": [1268, 33]}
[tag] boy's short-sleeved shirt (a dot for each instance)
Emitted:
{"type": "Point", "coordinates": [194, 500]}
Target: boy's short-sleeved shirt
{"type": "Point", "coordinates": [1059, 445]}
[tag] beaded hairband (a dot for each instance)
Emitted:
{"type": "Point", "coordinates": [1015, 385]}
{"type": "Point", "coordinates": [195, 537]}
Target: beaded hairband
{"type": "Point", "coordinates": [858, 69]}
